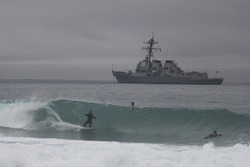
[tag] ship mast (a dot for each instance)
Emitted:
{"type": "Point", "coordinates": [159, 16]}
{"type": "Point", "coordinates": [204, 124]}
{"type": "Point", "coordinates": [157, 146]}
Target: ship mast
{"type": "Point", "coordinates": [150, 48]}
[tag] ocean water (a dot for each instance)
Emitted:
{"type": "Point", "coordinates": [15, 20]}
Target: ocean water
{"type": "Point", "coordinates": [41, 121]}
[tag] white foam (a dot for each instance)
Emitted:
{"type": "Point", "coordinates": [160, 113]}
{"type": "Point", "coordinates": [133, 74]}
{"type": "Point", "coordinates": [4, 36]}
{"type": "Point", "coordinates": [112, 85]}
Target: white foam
{"type": "Point", "coordinates": [18, 114]}
{"type": "Point", "coordinates": [31, 152]}
{"type": "Point", "coordinates": [63, 126]}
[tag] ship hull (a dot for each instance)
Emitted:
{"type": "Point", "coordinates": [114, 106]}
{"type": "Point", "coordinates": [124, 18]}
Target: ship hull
{"type": "Point", "coordinates": [123, 77]}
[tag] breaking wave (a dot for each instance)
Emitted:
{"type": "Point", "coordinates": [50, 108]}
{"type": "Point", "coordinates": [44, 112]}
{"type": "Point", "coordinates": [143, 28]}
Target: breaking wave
{"type": "Point", "coordinates": [119, 123]}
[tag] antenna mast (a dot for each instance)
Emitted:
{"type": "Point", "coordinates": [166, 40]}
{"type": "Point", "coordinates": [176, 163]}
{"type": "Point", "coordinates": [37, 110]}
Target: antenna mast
{"type": "Point", "coordinates": [150, 47]}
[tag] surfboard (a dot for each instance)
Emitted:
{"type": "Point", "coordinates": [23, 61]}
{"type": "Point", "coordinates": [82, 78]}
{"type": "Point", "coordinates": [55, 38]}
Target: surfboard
{"type": "Point", "coordinates": [86, 128]}
{"type": "Point", "coordinates": [212, 136]}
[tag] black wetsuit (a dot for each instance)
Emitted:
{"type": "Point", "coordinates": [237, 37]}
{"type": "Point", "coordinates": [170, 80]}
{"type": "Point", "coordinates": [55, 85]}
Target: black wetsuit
{"type": "Point", "coordinates": [89, 120]}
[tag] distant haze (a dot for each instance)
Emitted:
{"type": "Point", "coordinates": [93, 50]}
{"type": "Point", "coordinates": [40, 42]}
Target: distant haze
{"type": "Point", "coordinates": [81, 39]}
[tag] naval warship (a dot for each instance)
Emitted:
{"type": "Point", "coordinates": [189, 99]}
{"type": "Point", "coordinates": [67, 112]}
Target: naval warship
{"type": "Point", "coordinates": [151, 71]}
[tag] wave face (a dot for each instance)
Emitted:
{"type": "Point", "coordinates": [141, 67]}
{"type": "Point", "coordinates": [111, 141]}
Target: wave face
{"type": "Point", "coordinates": [119, 123]}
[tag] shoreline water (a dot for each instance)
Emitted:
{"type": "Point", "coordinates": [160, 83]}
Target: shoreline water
{"type": "Point", "coordinates": [57, 152]}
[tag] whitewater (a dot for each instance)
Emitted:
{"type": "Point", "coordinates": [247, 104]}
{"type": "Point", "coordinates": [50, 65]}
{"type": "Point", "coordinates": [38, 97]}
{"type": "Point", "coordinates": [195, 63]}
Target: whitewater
{"type": "Point", "coordinates": [41, 120]}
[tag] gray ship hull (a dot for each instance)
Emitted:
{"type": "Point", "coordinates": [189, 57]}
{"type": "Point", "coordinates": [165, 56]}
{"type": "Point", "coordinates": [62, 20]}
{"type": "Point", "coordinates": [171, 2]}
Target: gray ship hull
{"type": "Point", "coordinates": [123, 77]}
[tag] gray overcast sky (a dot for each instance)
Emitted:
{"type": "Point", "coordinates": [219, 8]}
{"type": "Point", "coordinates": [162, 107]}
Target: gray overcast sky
{"type": "Point", "coordinates": [81, 39]}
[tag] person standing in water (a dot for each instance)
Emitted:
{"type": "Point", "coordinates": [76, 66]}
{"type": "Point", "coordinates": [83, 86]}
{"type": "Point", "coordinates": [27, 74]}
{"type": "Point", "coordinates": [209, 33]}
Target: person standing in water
{"type": "Point", "coordinates": [90, 116]}
{"type": "Point", "coordinates": [133, 107]}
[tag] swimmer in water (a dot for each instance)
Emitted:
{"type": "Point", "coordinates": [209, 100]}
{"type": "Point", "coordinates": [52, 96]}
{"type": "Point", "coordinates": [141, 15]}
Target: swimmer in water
{"type": "Point", "coordinates": [213, 135]}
